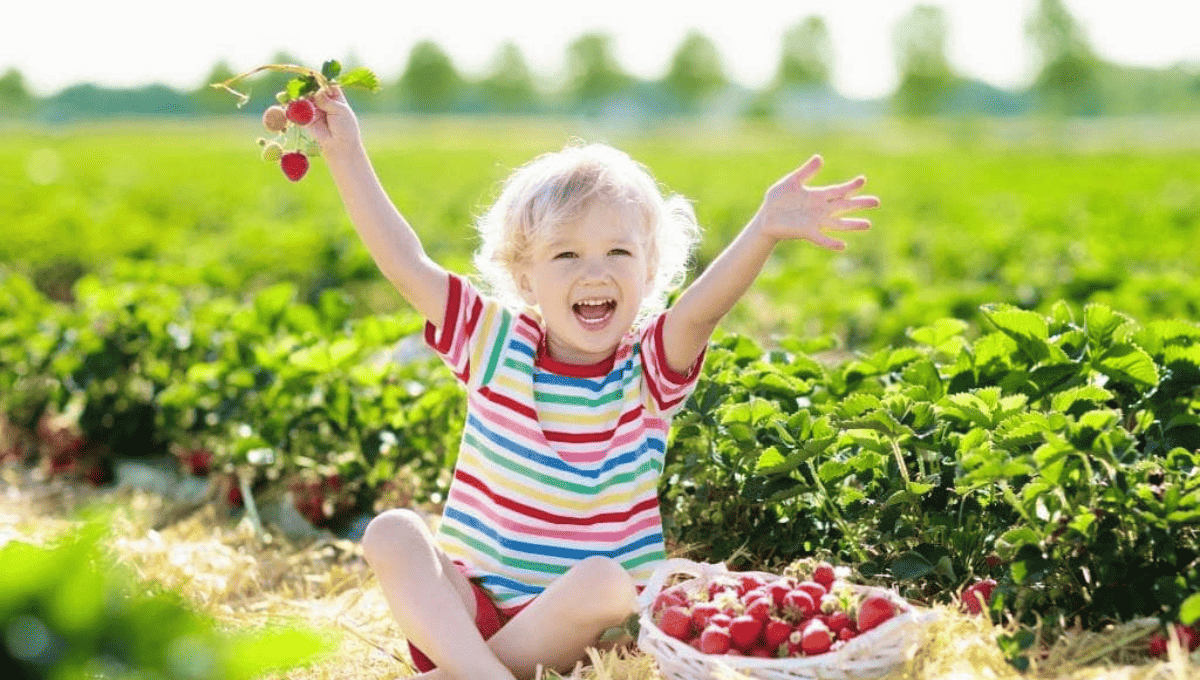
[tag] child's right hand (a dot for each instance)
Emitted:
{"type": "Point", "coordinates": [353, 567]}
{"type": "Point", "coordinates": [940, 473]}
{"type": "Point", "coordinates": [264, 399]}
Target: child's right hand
{"type": "Point", "coordinates": [334, 126]}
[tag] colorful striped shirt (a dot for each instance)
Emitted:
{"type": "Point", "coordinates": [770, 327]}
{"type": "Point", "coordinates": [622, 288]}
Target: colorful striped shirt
{"type": "Point", "coordinates": [558, 462]}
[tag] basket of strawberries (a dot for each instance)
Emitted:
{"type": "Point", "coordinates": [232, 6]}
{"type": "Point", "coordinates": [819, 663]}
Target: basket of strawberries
{"type": "Point", "coordinates": [811, 624]}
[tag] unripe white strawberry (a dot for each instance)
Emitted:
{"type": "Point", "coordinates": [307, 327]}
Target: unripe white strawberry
{"type": "Point", "coordinates": [275, 119]}
{"type": "Point", "coordinates": [272, 152]}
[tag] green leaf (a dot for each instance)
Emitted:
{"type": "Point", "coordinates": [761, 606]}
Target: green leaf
{"type": "Point", "coordinates": [1128, 364]}
{"type": "Point", "coordinates": [939, 332]}
{"type": "Point", "coordinates": [1189, 611]}
{"type": "Point", "coordinates": [331, 69]}
{"type": "Point", "coordinates": [1091, 394]}
{"type": "Point", "coordinates": [911, 565]}
{"type": "Point", "coordinates": [1102, 323]}
{"type": "Point", "coordinates": [360, 77]}
{"type": "Point", "coordinates": [1029, 330]}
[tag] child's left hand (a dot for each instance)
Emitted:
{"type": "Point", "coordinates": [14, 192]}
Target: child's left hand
{"type": "Point", "coordinates": [793, 210]}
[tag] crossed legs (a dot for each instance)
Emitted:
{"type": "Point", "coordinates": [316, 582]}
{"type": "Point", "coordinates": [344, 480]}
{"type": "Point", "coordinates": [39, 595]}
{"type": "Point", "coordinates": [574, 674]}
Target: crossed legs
{"type": "Point", "coordinates": [434, 605]}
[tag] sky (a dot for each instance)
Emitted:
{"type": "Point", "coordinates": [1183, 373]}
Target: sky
{"type": "Point", "coordinates": [123, 43]}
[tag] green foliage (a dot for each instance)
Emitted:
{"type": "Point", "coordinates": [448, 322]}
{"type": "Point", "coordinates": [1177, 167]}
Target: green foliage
{"type": "Point", "coordinates": [696, 71]}
{"type": "Point", "coordinates": [70, 611]}
{"type": "Point", "coordinates": [1055, 454]}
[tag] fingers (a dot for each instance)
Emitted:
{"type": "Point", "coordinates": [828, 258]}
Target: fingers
{"type": "Point", "coordinates": [849, 224]}
{"type": "Point", "coordinates": [329, 97]}
{"type": "Point", "coordinates": [855, 203]}
{"type": "Point", "coordinates": [805, 172]}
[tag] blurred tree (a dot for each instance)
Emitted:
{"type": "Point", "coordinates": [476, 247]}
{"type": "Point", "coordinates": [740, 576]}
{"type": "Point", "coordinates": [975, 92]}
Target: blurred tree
{"type": "Point", "coordinates": [696, 71]}
{"type": "Point", "coordinates": [1068, 79]}
{"type": "Point", "coordinates": [430, 83]}
{"type": "Point", "coordinates": [926, 78]}
{"type": "Point", "coordinates": [509, 87]}
{"type": "Point", "coordinates": [594, 76]}
{"type": "Point", "coordinates": [15, 98]}
{"type": "Point", "coordinates": [806, 58]}
{"type": "Point", "coordinates": [209, 100]}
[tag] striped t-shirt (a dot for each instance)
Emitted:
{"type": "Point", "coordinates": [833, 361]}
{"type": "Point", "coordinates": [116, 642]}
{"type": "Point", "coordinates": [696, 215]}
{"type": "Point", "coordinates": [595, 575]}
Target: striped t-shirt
{"type": "Point", "coordinates": [558, 462]}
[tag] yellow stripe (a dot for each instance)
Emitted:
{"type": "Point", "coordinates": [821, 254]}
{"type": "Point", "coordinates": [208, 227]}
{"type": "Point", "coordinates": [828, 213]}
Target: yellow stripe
{"type": "Point", "coordinates": [483, 334]}
{"type": "Point", "coordinates": [514, 387]}
{"type": "Point", "coordinates": [552, 498]}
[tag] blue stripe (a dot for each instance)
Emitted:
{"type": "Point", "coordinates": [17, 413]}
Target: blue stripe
{"type": "Point", "coordinates": [622, 373]}
{"type": "Point", "coordinates": [523, 547]}
{"type": "Point", "coordinates": [630, 458]}
{"type": "Point", "coordinates": [496, 584]}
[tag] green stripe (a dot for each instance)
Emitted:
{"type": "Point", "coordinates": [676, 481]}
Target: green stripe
{"type": "Point", "coordinates": [487, 549]}
{"type": "Point", "coordinates": [521, 366]}
{"type": "Point", "coordinates": [497, 350]}
{"type": "Point", "coordinates": [570, 400]}
{"type": "Point", "coordinates": [635, 562]}
{"type": "Point", "coordinates": [541, 478]}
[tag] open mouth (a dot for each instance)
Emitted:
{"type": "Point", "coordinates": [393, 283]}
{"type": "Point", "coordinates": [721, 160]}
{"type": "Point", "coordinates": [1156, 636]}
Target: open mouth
{"type": "Point", "coordinates": [594, 312]}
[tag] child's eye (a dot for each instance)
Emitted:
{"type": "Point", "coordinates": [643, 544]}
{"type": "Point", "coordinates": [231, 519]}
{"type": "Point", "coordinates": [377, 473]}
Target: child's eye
{"type": "Point", "coordinates": [565, 255]}
{"type": "Point", "coordinates": [619, 251]}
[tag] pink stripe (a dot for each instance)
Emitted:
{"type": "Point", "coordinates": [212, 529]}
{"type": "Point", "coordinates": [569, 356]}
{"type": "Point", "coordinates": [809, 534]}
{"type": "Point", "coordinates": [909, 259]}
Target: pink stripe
{"type": "Point", "coordinates": [502, 421]}
{"type": "Point", "coordinates": [631, 529]}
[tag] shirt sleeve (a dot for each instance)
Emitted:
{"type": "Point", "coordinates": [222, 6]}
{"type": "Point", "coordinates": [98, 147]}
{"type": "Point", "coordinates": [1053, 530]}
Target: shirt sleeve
{"type": "Point", "coordinates": [668, 388]}
{"type": "Point", "coordinates": [466, 328]}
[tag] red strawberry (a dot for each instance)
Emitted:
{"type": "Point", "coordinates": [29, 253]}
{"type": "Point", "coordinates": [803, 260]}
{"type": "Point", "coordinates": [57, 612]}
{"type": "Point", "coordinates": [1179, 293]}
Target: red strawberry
{"type": "Point", "coordinates": [675, 596]}
{"type": "Point", "coordinates": [874, 610]}
{"type": "Point", "coordinates": [714, 640]}
{"type": "Point", "coordinates": [847, 633]}
{"type": "Point", "coordinates": [301, 111]}
{"type": "Point", "coordinates": [761, 653]}
{"type": "Point", "coordinates": [776, 633]}
{"type": "Point", "coordinates": [837, 621]}
{"type": "Point", "coordinates": [1158, 644]}
{"type": "Point", "coordinates": [977, 596]}
{"type": "Point", "coordinates": [1189, 637]}
{"type": "Point", "coordinates": [799, 604]}
{"type": "Point", "coordinates": [721, 620]}
{"type": "Point", "coordinates": [744, 631]}
{"type": "Point", "coordinates": [748, 582]}
{"type": "Point", "coordinates": [676, 622]}
{"type": "Point", "coordinates": [294, 165]}
{"type": "Point", "coordinates": [823, 574]}
{"type": "Point", "coordinates": [814, 589]}
{"type": "Point", "coordinates": [760, 608]}
{"type": "Point", "coordinates": [702, 612]}
{"type": "Point", "coordinates": [816, 638]}
{"type": "Point", "coordinates": [778, 590]}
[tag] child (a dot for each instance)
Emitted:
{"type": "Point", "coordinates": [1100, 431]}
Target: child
{"type": "Point", "coordinates": [573, 373]}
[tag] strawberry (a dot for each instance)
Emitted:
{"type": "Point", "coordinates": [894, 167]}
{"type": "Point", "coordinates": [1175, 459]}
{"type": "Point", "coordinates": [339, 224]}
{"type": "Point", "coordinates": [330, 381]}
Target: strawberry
{"type": "Point", "coordinates": [676, 622]}
{"type": "Point", "coordinates": [837, 621]}
{"type": "Point", "coordinates": [271, 151]}
{"type": "Point", "coordinates": [778, 590]}
{"type": "Point", "coordinates": [776, 633]}
{"type": "Point", "coordinates": [761, 653]}
{"type": "Point", "coordinates": [823, 574]}
{"type": "Point", "coordinates": [814, 589]}
{"type": "Point", "coordinates": [748, 582]}
{"type": "Point", "coordinates": [744, 631]}
{"type": "Point", "coordinates": [760, 608]}
{"type": "Point", "coordinates": [874, 610]}
{"type": "Point", "coordinates": [799, 604]}
{"type": "Point", "coordinates": [1189, 637]}
{"type": "Point", "coordinates": [702, 612]}
{"type": "Point", "coordinates": [675, 596]}
{"type": "Point", "coordinates": [847, 633]}
{"type": "Point", "coordinates": [977, 596]}
{"type": "Point", "coordinates": [1158, 644]}
{"type": "Point", "coordinates": [275, 119]}
{"type": "Point", "coordinates": [721, 620]}
{"type": "Point", "coordinates": [294, 165]}
{"type": "Point", "coordinates": [816, 638]}
{"type": "Point", "coordinates": [714, 640]}
{"type": "Point", "coordinates": [301, 111]}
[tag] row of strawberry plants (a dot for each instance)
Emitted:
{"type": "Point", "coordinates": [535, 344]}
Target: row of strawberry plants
{"type": "Point", "coordinates": [270, 390]}
{"type": "Point", "coordinates": [1058, 455]}
{"type": "Point", "coordinates": [1055, 454]}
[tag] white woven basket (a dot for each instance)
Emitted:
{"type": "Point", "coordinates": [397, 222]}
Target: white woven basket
{"type": "Point", "coordinates": [871, 655]}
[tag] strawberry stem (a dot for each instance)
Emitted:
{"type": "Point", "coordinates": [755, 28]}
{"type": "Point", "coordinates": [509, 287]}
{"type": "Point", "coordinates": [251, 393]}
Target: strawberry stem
{"type": "Point", "coordinates": [243, 98]}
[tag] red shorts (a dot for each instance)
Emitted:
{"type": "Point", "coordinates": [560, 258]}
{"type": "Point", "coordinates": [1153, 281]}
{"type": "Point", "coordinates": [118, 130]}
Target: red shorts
{"type": "Point", "coordinates": [488, 619]}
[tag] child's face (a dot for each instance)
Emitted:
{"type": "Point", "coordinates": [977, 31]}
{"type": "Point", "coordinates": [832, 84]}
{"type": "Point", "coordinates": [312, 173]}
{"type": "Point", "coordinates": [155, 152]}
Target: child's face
{"type": "Point", "coordinates": [588, 280]}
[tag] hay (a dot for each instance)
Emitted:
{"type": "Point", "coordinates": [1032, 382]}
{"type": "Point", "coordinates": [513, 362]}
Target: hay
{"type": "Point", "coordinates": [248, 581]}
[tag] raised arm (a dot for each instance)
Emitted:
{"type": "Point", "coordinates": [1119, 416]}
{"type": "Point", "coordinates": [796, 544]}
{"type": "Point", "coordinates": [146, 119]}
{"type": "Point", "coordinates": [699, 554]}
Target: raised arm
{"type": "Point", "coordinates": [790, 210]}
{"type": "Point", "coordinates": [391, 241]}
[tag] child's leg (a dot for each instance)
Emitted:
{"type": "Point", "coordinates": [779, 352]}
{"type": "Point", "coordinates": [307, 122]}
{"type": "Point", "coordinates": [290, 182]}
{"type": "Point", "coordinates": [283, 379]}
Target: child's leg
{"type": "Point", "coordinates": [556, 629]}
{"type": "Point", "coordinates": [429, 597]}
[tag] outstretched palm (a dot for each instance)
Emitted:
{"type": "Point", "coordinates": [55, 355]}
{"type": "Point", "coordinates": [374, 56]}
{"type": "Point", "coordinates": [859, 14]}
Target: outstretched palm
{"type": "Point", "coordinates": [793, 210]}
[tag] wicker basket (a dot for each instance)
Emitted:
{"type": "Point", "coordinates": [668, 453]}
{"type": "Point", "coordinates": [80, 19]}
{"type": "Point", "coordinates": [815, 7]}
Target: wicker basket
{"type": "Point", "coordinates": [871, 655]}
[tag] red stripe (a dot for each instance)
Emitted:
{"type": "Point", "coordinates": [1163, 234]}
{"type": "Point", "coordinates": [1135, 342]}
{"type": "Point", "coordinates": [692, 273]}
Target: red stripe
{"type": "Point", "coordinates": [453, 298]}
{"type": "Point", "coordinates": [508, 403]}
{"type": "Point", "coordinates": [587, 437]}
{"type": "Point", "coordinates": [534, 513]}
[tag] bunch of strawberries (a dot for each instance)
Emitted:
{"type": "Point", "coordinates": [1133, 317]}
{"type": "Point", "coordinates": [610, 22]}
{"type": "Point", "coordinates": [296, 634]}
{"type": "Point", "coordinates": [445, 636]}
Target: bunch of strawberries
{"type": "Point", "coordinates": [291, 147]}
{"type": "Point", "coordinates": [750, 614]}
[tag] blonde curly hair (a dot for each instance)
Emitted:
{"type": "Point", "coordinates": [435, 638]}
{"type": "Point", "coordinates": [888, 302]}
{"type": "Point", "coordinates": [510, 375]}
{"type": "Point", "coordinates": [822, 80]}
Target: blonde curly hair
{"type": "Point", "coordinates": [557, 188]}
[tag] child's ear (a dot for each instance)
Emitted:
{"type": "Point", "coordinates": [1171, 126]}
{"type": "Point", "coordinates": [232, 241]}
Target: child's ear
{"type": "Point", "coordinates": [525, 288]}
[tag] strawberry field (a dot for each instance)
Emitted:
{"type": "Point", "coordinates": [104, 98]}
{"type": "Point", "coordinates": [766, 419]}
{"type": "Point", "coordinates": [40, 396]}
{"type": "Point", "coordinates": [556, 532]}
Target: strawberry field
{"type": "Point", "coordinates": [1000, 382]}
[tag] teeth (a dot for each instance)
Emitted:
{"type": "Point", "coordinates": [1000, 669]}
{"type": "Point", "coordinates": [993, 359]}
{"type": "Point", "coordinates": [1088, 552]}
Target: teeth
{"type": "Point", "coordinates": [597, 303]}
